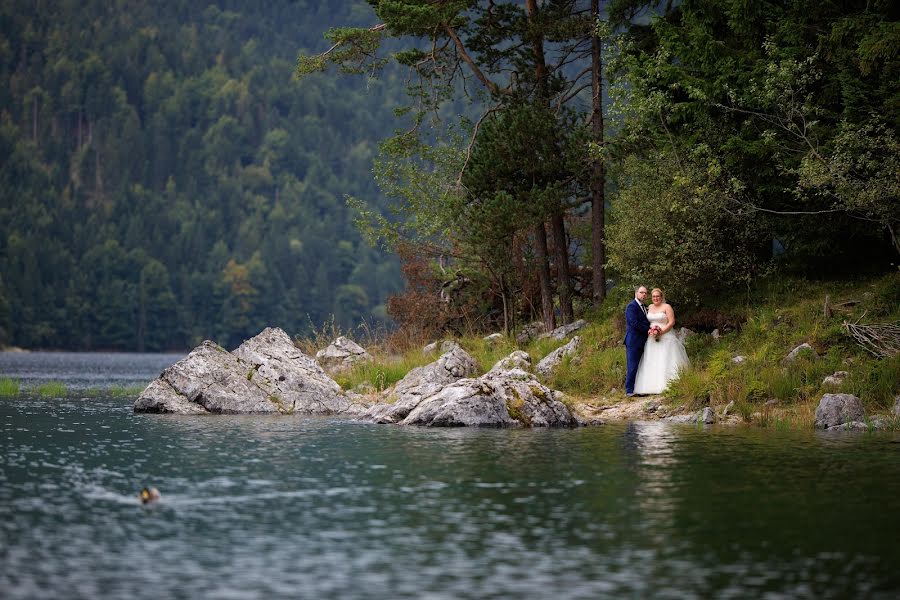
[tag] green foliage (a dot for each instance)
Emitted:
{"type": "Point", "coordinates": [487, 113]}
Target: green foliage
{"type": "Point", "coordinates": [672, 227]}
{"type": "Point", "coordinates": [766, 121]}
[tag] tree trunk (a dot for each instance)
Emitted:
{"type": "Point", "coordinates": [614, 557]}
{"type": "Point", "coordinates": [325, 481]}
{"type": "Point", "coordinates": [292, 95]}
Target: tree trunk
{"type": "Point", "coordinates": [540, 253]}
{"type": "Point", "coordinates": [564, 283]}
{"type": "Point", "coordinates": [540, 75]}
{"type": "Point", "coordinates": [598, 180]}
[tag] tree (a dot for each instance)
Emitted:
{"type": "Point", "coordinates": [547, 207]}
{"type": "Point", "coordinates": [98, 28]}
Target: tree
{"type": "Point", "coordinates": [517, 54]}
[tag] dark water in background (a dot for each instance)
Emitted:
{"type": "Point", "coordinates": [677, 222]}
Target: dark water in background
{"type": "Point", "coordinates": [293, 507]}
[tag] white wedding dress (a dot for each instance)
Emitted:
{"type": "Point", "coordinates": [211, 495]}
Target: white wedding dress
{"type": "Point", "coordinates": [663, 357]}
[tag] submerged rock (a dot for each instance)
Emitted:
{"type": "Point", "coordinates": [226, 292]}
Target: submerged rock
{"type": "Point", "coordinates": [266, 374]}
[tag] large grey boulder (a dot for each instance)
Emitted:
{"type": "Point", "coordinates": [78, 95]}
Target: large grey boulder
{"type": "Point", "coordinates": [208, 380]}
{"type": "Point", "coordinates": [290, 375]}
{"type": "Point", "coordinates": [550, 362]}
{"type": "Point", "coordinates": [342, 354]}
{"type": "Point", "coordinates": [507, 395]}
{"type": "Point", "coordinates": [267, 374]}
{"type": "Point", "coordinates": [838, 409]}
{"type": "Point", "coordinates": [422, 382]}
{"type": "Point", "coordinates": [500, 398]}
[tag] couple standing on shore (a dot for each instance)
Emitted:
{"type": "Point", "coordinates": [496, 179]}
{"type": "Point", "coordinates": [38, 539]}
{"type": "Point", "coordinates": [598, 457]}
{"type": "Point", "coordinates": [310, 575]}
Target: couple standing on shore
{"type": "Point", "coordinates": [651, 366]}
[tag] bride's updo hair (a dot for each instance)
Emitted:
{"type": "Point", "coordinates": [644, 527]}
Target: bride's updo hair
{"type": "Point", "coordinates": [661, 294]}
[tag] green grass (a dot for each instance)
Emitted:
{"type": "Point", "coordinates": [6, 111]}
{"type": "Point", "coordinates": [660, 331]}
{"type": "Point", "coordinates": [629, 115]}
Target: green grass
{"type": "Point", "coordinates": [51, 389]}
{"type": "Point", "coordinates": [8, 388]}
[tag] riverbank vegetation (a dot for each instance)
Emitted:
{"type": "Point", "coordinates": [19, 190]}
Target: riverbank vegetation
{"type": "Point", "coordinates": [742, 363]}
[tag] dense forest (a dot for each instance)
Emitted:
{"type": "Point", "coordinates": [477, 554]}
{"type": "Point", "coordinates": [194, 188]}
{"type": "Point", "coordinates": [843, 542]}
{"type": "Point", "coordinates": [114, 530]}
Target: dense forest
{"type": "Point", "coordinates": [165, 179]}
{"type": "Point", "coordinates": [743, 140]}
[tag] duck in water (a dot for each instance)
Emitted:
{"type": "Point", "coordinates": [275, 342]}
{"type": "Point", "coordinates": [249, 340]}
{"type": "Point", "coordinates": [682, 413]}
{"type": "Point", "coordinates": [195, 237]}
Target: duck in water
{"type": "Point", "coordinates": [149, 495]}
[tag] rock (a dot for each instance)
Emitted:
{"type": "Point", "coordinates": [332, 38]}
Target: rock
{"type": "Point", "coordinates": [693, 417]}
{"type": "Point", "coordinates": [727, 408]}
{"type": "Point", "coordinates": [530, 331]}
{"type": "Point", "coordinates": [896, 410]}
{"type": "Point", "coordinates": [715, 334]}
{"type": "Point", "coordinates": [507, 395]}
{"type": "Point", "coordinates": [802, 349]}
{"type": "Point", "coordinates": [739, 360]}
{"type": "Point", "coordinates": [265, 375]}
{"type": "Point", "coordinates": [683, 334]}
{"type": "Point", "coordinates": [708, 416]}
{"type": "Point", "coordinates": [651, 406]}
{"type": "Point", "coordinates": [850, 426]}
{"type": "Point", "coordinates": [836, 378]}
{"type": "Point", "coordinates": [449, 345]}
{"type": "Point", "coordinates": [497, 399]}
{"type": "Point", "coordinates": [429, 348]}
{"type": "Point", "coordinates": [298, 380]}
{"type": "Point", "coordinates": [771, 402]}
{"type": "Point", "coordinates": [208, 380]}
{"type": "Point", "coordinates": [423, 382]}
{"type": "Point", "coordinates": [494, 338]}
{"type": "Point", "coordinates": [838, 409]}
{"type": "Point", "coordinates": [342, 354]}
{"type": "Point", "coordinates": [561, 333]}
{"type": "Point", "coordinates": [517, 360]}
{"type": "Point", "coordinates": [550, 362]}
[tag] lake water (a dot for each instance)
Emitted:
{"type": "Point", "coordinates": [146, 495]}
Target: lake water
{"type": "Point", "coordinates": [293, 507]}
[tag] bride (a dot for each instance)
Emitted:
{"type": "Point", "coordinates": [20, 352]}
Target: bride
{"type": "Point", "coordinates": [664, 355]}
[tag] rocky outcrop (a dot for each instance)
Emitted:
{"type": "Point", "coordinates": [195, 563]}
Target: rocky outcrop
{"type": "Point", "coordinates": [342, 354]}
{"type": "Point", "coordinates": [507, 395]}
{"type": "Point", "coordinates": [422, 382]}
{"type": "Point", "coordinates": [267, 374]}
{"type": "Point", "coordinates": [550, 362]}
{"type": "Point", "coordinates": [838, 409]}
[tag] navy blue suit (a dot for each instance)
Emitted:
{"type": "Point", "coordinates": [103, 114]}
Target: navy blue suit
{"type": "Point", "coordinates": [636, 327]}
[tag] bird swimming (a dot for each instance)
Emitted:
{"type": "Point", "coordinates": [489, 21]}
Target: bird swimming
{"type": "Point", "coordinates": [150, 494]}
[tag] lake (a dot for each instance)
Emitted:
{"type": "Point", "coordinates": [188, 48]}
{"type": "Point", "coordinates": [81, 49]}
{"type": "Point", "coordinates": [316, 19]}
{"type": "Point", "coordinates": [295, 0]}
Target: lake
{"type": "Point", "coordinates": [303, 507]}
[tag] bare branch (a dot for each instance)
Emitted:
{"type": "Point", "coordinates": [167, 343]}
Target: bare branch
{"type": "Point", "coordinates": [472, 142]}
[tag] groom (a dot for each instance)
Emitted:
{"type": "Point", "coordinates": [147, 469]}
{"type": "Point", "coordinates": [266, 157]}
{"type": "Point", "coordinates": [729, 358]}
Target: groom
{"type": "Point", "coordinates": [636, 328]}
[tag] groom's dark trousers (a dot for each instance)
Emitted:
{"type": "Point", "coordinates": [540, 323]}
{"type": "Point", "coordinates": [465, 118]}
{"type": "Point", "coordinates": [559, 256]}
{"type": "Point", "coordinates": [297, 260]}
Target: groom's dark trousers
{"type": "Point", "coordinates": [636, 326]}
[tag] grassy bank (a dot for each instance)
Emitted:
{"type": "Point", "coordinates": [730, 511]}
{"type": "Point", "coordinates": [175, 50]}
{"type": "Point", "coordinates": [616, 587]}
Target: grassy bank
{"type": "Point", "coordinates": [762, 326]}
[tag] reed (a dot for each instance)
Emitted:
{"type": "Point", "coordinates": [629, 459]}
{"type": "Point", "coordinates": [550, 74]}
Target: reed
{"type": "Point", "coordinates": [51, 389]}
{"type": "Point", "coordinates": [9, 387]}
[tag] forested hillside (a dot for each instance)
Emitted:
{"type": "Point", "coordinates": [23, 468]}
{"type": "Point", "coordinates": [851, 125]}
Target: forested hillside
{"type": "Point", "coordinates": [163, 179]}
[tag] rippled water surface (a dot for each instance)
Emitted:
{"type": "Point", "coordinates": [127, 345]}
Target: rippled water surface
{"type": "Point", "coordinates": [293, 507]}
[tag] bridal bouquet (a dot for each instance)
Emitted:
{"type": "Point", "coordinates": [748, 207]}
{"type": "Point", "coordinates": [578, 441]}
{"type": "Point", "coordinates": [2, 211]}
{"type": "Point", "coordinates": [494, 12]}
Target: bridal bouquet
{"type": "Point", "coordinates": [655, 331]}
